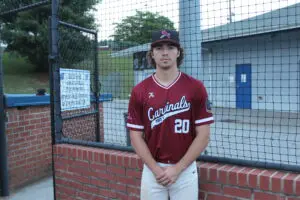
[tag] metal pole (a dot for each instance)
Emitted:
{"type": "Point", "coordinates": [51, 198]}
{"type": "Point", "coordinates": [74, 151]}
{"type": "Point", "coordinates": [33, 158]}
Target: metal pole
{"type": "Point", "coordinates": [54, 58]}
{"type": "Point", "coordinates": [230, 14]}
{"type": "Point", "coordinates": [190, 36]}
{"type": "Point", "coordinates": [3, 141]}
{"type": "Point", "coordinates": [56, 123]}
{"type": "Point", "coordinates": [97, 92]}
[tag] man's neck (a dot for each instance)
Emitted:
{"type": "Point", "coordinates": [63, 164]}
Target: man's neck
{"type": "Point", "coordinates": [166, 77]}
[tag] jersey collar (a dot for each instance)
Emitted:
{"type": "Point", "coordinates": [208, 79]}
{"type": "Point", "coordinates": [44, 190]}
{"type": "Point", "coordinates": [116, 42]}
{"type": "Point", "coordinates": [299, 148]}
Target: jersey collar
{"type": "Point", "coordinates": [169, 86]}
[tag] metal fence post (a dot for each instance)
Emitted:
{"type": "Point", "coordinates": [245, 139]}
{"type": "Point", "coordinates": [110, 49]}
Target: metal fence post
{"type": "Point", "coordinates": [97, 92]}
{"type": "Point", "coordinates": [128, 141]}
{"type": "Point", "coordinates": [54, 69]}
{"type": "Point", "coordinates": [3, 141]}
{"type": "Point", "coordinates": [54, 83]}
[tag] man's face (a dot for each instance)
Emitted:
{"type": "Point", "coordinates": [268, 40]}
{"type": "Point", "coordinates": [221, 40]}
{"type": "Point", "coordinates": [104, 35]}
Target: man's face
{"type": "Point", "coordinates": [165, 55]}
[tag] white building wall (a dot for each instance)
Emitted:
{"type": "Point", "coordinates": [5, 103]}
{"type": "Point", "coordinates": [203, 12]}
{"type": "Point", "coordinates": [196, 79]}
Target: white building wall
{"type": "Point", "coordinates": [274, 60]}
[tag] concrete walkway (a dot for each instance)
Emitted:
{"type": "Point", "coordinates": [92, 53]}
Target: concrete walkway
{"type": "Point", "coordinates": [41, 190]}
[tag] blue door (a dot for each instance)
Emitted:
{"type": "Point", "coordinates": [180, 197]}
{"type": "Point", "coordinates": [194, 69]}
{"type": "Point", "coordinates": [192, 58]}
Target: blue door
{"type": "Point", "coordinates": [243, 86]}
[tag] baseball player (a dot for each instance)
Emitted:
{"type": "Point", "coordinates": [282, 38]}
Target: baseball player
{"type": "Point", "coordinates": [168, 117]}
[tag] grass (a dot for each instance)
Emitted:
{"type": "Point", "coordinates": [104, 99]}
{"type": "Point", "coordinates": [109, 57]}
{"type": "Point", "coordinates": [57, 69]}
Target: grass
{"type": "Point", "coordinates": [120, 65]}
{"type": "Point", "coordinates": [19, 76]}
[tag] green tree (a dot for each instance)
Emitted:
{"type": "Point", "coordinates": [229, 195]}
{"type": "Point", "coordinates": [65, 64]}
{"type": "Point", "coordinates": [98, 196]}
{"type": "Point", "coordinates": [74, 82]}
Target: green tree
{"type": "Point", "coordinates": [27, 32]}
{"type": "Point", "coordinates": [138, 28]}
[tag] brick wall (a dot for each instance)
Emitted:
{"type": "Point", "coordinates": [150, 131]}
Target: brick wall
{"type": "Point", "coordinates": [29, 141]}
{"type": "Point", "coordinates": [91, 173]}
{"type": "Point", "coordinates": [29, 144]}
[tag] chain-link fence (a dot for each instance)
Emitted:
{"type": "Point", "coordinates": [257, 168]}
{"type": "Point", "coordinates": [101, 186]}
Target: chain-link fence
{"type": "Point", "coordinates": [245, 52]}
{"type": "Point", "coordinates": [9, 9]}
{"type": "Point", "coordinates": [78, 83]}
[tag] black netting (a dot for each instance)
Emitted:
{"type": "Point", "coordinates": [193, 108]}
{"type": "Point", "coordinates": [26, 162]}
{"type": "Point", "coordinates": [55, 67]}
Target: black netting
{"type": "Point", "coordinates": [246, 53]}
{"type": "Point", "coordinates": [14, 6]}
{"type": "Point", "coordinates": [77, 54]}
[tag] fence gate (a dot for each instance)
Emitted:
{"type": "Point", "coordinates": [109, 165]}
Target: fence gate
{"type": "Point", "coordinates": [74, 82]}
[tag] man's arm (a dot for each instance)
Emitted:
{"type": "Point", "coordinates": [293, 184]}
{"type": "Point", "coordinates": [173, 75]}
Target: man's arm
{"type": "Point", "coordinates": [142, 150]}
{"type": "Point", "coordinates": [198, 145]}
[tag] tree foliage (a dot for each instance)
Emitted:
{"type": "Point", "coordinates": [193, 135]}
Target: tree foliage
{"type": "Point", "coordinates": [138, 28]}
{"type": "Point", "coordinates": [27, 32]}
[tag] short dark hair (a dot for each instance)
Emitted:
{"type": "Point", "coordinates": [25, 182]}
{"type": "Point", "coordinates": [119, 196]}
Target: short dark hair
{"type": "Point", "coordinates": [151, 61]}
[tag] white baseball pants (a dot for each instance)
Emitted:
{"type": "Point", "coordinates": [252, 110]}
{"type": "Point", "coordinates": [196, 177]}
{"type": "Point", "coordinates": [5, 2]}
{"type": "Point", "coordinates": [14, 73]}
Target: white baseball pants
{"type": "Point", "coordinates": [185, 187]}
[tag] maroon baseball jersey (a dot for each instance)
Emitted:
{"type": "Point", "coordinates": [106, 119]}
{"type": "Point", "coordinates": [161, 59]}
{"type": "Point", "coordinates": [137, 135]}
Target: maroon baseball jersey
{"type": "Point", "coordinates": [168, 115]}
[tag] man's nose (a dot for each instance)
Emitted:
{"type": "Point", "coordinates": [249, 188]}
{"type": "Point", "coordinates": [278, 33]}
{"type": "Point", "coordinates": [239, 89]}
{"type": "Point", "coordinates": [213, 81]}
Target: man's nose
{"type": "Point", "coordinates": [165, 51]}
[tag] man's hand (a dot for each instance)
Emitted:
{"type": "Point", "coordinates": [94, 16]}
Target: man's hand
{"type": "Point", "coordinates": [169, 176]}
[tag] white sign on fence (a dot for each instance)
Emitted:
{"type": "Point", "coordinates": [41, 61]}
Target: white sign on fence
{"type": "Point", "coordinates": [74, 89]}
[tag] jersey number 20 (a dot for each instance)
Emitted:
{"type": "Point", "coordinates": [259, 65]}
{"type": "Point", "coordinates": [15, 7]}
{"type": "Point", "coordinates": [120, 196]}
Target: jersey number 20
{"type": "Point", "coordinates": [182, 125]}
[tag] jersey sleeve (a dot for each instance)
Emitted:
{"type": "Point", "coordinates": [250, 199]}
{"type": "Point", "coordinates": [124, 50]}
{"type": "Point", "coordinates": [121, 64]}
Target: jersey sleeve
{"type": "Point", "coordinates": [202, 107]}
{"type": "Point", "coordinates": [135, 112]}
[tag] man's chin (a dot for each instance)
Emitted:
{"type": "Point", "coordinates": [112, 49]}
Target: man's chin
{"type": "Point", "coordinates": [165, 66]}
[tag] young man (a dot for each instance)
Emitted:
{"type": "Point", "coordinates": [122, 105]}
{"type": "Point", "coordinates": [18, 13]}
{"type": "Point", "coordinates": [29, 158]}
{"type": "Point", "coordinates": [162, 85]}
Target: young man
{"type": "Point", "coordinates": [168, 117]}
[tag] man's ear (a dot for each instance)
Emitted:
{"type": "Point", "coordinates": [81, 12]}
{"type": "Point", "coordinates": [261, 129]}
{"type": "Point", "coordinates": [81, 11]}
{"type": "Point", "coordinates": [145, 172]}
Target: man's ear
{"type": "Point", "coordinates": [178, 54]}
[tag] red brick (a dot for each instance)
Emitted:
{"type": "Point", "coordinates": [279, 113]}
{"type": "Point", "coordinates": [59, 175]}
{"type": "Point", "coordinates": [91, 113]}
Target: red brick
{"type": "Point", "coordinates": [79, 163]}
{"type": "Point", "coordinates": [265, 196]}
{"type": "Point", "coordinates": [107, 193]}
{"type": "Point", "coordinates": [210, 187]}
{"type": "Point", "coordinates": [122, 196]}
{"type": "Point", "coordinates": [133, 190]}
{"type": "Point", "coordinates": [107, 158]}
{"type": "Point", "coordinates": [105, 176]}
{"type": "Point", "coordinates": [113, 160]}
{"type": "Point", "coordinates": [97, 157]}
{"type": "Point", "coordinates": [84, 195]}
{"type": "Point", "coordinates": [264, 182]}
{"type": "Point", "coordinates": [66, 182]}
{"type": "Point", "coordinates": [120, 159]}
{"type": "Point", "coordinates": [102, 158]}
{"type": "Point", "coordinates": [71, 192]}
{"type": "Point", "coordinates": [116, 170]}
{"type": "Point", "coordinates": [98, 167]}
{"type": "Point", "coordinates": [253, 178]}
{"type": "Point", "coordinates": [276, 182]}
{"type": "Point", "coordinates": [81, 179]}
{"type": "Point", "coordinates": [203, 172]}
{"type": "Point", "coordinates": [91, 189]}
{"type": "Point", "coordinates": [133, 198]}
{"type": "Point", "coordinates": [134, 162]}
{"type": "Point", "coordinates": [126, 180]}
{"type": "Point", "coordinates": [223, 174]}
{"type": "Point", "coordinates": [237, 192]}
{"type": "Point", "coordinates": [297, 186]}
{"type": "Point", "coordinates": [133, 173]}
{"type": "Point", "coordinates": [288, 183]}
{"type": "Point", "coordinates": [91, 155]}
{"type": "Point", "coordinates": [218, 197]}
{"type": "Point", "coordinates": [233, 176]}
{"type": "Point", "coordinates": [213, 173]}
{"type": "Point", "coordinates": [99, 198]}
{"type": "Point", "coordinates": [202, 195]}
{"type": "Point", "coordinates": [84, 154]}
{"type": "Point", "coordinates": [117, 187]}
